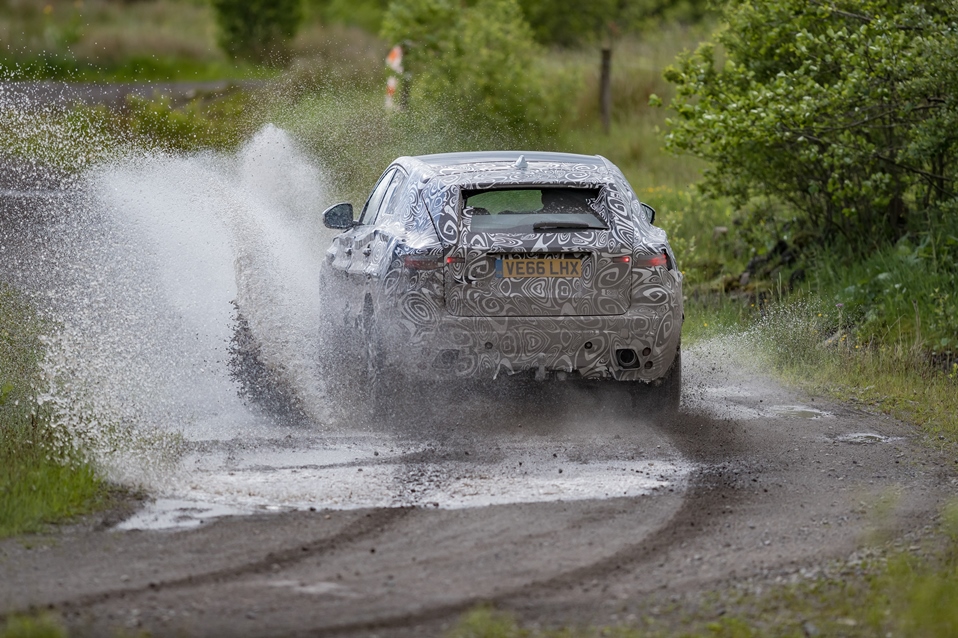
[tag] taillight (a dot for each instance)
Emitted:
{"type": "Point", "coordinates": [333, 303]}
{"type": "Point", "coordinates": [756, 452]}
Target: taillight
{"type": "Point", "coordinates": [621, 259]}
{"type": "Point", "coordinates": [422, 262]}
{"type": "Point", "coordinates": [455, 260]}
{"type": "Point", "coordinates": [650, 261]}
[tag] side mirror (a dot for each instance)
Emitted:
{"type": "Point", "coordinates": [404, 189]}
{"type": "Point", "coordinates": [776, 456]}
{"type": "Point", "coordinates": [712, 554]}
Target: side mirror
{"type": "Point", "coordinates": [339, 216]}
{"type": "Point", "coordinates": [649, 212]}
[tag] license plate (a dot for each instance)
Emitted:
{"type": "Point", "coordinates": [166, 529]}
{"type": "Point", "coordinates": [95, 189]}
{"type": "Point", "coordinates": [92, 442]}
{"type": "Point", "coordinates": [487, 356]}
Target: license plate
{"type": "Point", "coordinates": [545, 267]}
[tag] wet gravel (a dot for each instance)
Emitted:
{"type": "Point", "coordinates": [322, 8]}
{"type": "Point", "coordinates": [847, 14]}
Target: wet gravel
{"type": "Point", "coordinates": [775, 484]}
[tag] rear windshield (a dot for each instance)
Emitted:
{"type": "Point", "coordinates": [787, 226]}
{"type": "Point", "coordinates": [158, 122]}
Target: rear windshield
{"type": "Point", "coordinates": [526, 210]}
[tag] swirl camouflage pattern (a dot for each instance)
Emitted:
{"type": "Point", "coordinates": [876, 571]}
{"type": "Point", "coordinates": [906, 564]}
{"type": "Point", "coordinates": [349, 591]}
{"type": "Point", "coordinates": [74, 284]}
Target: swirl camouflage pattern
{"type": "Point", "coordinates": [458, 266]}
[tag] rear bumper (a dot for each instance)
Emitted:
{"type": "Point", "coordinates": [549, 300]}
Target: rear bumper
{"type": "Point", "coordinates": [586, 347]}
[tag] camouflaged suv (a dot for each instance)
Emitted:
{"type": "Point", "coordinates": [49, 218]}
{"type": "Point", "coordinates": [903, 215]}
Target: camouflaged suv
{"type": "Point", "coordinates": [486, 264]}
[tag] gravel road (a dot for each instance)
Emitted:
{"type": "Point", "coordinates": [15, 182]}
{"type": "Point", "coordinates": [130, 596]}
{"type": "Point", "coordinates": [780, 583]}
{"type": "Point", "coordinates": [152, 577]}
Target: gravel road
{"type": "Point", "coordinates": [776, 483]}
{"type": "Point", "coordinates": [557, 504]}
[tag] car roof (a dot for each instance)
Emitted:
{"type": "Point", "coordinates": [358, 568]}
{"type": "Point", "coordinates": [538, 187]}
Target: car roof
{"type": "Point", "coordinates": [439, 160]}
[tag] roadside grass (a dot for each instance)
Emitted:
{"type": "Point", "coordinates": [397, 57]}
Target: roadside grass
{"type": "Point", "coordinates": [43, 479]}
{"type": "Point", "coordinates": [889, 590]}
{"type": "Point", "coordinates": [902, 296]}
{"type": "Point", "coordinates": [102, 40]}
{"type": "Point", "coordinates": [40, 626]}
{"type": "Point", "coordinates": [167, 40]}
{"type": "Point", "coordinates": [811, 343]}
{"type": "Point", "coordinates": [79, 137]}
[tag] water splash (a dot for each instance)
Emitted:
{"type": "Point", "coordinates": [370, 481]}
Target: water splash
{"type": "Point", "coordinates": [141, 265]}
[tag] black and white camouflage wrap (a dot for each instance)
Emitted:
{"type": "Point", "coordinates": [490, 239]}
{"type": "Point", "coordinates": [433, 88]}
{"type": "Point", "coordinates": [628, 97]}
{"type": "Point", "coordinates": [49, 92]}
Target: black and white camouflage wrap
{"type": "Point", "coordinates": [462, 319]}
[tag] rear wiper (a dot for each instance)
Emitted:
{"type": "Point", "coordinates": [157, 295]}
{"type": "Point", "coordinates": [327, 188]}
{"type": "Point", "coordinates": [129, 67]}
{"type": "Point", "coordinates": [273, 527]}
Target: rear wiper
{"type": "Point", "coordinates": [562, 225]}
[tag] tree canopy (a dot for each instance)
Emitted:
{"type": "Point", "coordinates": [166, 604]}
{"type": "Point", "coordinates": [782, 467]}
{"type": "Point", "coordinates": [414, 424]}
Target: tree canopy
{"type": "Point", "coordinates": [570, 23]}
{"type": "Point", "coordinates": [847, 110]}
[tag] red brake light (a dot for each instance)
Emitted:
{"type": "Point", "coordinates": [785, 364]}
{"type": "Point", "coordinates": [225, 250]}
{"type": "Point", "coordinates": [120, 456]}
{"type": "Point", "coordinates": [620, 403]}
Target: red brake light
{"type": "Point", "coordinates": [650, 261]}
{"type": "Point", "coordinates": [622, 259]}
{"type": "Point", "coordinates": [422, 262]}
{"type": "Point", "coordinates": [454, 260]}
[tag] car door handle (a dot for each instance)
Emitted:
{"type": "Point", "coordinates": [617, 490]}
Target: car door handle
{"type": "Point", "coordinates": [367, 251]}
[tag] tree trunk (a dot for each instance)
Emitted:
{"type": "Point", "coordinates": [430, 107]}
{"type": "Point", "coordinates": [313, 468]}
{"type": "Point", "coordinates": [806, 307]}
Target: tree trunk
{"type": "Point", "coordinates": [605, 89]}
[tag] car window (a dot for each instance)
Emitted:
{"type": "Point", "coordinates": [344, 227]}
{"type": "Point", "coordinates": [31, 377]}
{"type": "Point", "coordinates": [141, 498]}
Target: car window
{"type": "Point", "coordinates": [520, 210]}
{"type": "Point", "coordinates": [390, 209]}
{"type": "Point", "coordinates": [374, 203]}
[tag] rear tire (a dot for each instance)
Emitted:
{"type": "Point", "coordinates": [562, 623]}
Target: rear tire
{"type": "Point", "coordinates": [662, 400]}
{"type": "Point", "coordinates": [384, 385]}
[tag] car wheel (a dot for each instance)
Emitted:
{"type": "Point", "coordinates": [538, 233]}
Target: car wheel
{"type": "Point", "coordinates": [378, 380]}
{"type": "Point", "coordinates": [341, 358]}
{"type": "Point", "coordinates": [661, 400]}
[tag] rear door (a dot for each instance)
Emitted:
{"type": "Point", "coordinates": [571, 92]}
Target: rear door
{"type": "Point", "coordinates": [538, 252]}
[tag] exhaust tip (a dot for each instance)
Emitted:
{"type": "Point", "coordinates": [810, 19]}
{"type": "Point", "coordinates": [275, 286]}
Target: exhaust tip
{"type": "Point", "coordinates": [627, 358]}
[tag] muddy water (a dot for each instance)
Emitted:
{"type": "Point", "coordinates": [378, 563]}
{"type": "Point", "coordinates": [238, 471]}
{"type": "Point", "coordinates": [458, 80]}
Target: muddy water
{"type": "Point", "coordinates": [356, 473]}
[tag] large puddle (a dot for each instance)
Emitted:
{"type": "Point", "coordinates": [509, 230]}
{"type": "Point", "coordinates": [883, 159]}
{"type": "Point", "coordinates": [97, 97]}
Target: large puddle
{"type": "Point", "coordinates": [359, 472]}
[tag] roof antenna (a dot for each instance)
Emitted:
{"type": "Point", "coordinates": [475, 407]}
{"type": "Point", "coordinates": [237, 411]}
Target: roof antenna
{"type": "Point", "coordinates": [521, 163]}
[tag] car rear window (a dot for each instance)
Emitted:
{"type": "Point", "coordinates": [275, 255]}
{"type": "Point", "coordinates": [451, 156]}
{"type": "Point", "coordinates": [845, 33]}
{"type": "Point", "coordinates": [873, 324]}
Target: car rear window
{"type": "Point", "coordinates": [522, 210]}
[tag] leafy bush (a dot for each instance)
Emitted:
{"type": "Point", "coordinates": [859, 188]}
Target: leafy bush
{"type": "Point", "coordinates": [258, 30]}
{"type": "Point", "coordinates": [831, 107]}
{"type": "Point", "coordinates": [479, 64]}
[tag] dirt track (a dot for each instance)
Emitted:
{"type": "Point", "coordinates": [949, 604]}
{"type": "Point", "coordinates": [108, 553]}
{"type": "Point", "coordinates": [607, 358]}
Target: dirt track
{"type": "Point", "coordinates": [771, 492]}
{"type": "Point", "coordinates": [494, 499]}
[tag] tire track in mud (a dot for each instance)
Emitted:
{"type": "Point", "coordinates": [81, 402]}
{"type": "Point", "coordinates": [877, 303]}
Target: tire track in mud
{"type": "Point", "coordinates": [369, 526]}
{"type": "Point", "coordinates": [701, 489]}
{"type": "Point", "coordinates": [747, 475]}
{"type": "Point", "coordinates": [709, 484]}
{"type": "Point", "coordinates": [729, 488]}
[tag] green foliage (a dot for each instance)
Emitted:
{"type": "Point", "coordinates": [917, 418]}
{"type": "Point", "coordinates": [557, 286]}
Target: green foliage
{"type": "Point", "coordinates": [830, 107]}
{"type": "Point", "coordinates": [258, 30]}
{"type": "Point", "coordinates": [43, 478]}
{"type": "Point", "coordinates": [156, 123]}
{"type": "Point", "coordinates": [569, 23]}
{"type": "Point", "coordinates": [365, 14]}
{"type": "Point", "coordinates": [487, 623]}
{"type": "Point", "coordinates": [478, 64]}
{"type": "Point", "coordinates": [901, 295]}
{"type": "Point", "coordinates": [113, 41]}
{"type": "Point", "coordinates": [43, 626]}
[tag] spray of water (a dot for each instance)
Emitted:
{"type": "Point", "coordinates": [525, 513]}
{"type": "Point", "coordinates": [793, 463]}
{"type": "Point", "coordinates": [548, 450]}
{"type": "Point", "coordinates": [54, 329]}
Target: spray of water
{"type": "Point", "coordinates": [150, 264]}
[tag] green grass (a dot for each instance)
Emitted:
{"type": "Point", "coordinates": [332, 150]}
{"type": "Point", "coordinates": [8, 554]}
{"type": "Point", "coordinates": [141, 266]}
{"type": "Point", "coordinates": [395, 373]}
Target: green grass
{"type": "Point", "coordinates": [43, 479]}
{"type": "Point", "coordinates": [42, 626]}
{"type": "Point", "coordinates": [811, 343]}
{"type": "Point", "coordinates": [164, 40]}
{"type": "Point", "coordinates": [100, 40]}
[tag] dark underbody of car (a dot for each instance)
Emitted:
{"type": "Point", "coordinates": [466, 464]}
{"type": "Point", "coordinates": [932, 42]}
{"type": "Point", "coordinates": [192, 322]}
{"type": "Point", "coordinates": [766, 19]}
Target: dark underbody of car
{"type": "Point", "coordinates": [480, 265]}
